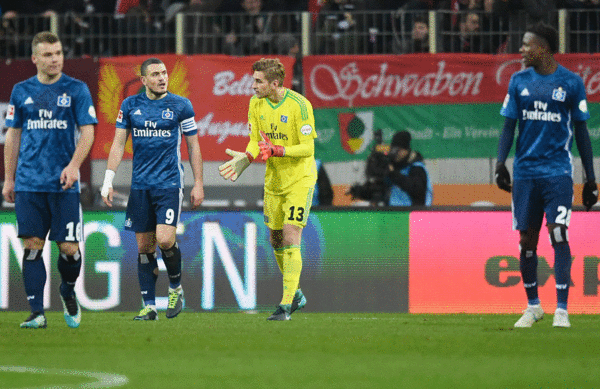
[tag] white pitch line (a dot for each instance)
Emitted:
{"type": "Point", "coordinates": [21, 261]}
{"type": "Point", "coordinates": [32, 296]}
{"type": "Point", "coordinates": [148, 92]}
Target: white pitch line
{"type": "Point", "coordinates": [105, 380]}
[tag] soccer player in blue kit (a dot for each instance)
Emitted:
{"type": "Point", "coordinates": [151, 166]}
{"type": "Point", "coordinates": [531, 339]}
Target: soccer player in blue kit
{"type": "Point", "coordinates": [50, 121]}
{"type": "Point", "coordinates": [156, 120]}
{"type": "Point", "coordinates": [549, 102]}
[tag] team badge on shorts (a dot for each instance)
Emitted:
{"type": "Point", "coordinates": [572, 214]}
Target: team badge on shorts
{"type": "Point", "coordinates": [168, 114]}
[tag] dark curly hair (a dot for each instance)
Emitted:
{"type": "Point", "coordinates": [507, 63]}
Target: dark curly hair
{"type": "Point", "coordinates": [547, 33]}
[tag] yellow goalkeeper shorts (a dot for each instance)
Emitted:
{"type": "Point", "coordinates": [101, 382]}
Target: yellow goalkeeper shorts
{"type": "Point", "coordinates": [291, 208]}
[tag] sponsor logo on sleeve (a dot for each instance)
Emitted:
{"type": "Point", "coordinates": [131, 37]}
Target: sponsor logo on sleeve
{"type": "Point", "coordinates": [120, 116]}
{"type": "Point", "coordinates": [10, 113]}
{"type": "Point", "coordinates": [92, 111]}
{"type": "Point", "coordinates": [583, 106]}
{"type": "Point", "coordinates": [306, 129]}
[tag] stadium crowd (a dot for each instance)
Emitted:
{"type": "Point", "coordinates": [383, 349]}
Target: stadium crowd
{"type": "Point", "coordinates": [242, 27]}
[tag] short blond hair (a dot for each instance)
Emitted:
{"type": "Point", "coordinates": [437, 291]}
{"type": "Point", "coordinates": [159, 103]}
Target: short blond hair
{"type": "Point", "coordinates": [43, 37]}
{"type": "Point", "coordinates": [272, 68]}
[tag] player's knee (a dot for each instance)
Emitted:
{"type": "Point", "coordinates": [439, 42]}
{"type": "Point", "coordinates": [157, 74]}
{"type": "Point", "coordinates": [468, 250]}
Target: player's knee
{"type": "Point", "coordinates": [559, 234]}
{"type": "Point", "coordinates": [33, 243]}
{"type": "Point", "coordinates": [68, 248]}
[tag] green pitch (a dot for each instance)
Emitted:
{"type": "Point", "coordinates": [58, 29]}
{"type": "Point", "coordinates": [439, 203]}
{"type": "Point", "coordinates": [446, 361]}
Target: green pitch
{"type": "Point", "coordinates": [314, 350]}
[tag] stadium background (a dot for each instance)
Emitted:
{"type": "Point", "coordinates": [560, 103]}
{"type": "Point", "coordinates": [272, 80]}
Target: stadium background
{"type": "Point", "coordinates": [456, 257]}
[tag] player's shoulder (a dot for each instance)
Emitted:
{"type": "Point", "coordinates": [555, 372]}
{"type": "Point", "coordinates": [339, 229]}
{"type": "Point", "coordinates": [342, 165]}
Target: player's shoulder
{"type": "Point", "coordinates": [568, 75]}
{"type": "Point", "coordinates": [28, 83]}
{"type": "Point", "coordinates": [138, 98]}
{"type": "Point", "coordinates": [300, 102]}
{"type": "Point", "coordinates": [177, 98]}
{"type": "Point", "coordinates": [524, 74]}
{"type": "Point", "coordinates": [72, 82]}
{"type": "Point", "coordinates": [298, 98]}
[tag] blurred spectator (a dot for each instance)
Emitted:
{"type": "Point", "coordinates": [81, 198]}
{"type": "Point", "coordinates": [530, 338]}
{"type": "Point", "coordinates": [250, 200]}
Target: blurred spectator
{"type": "Point", "coordinates": [287, 44]}
{"type": "Point", "coordinates": [203, 33]}
{"type": "Point", "coordinates": [522, 13]}
{"type": "Point", "coordinates": [467, 40]}
{"type": "Point", "coordinates": [141, 29]}
{"type": "Point", "coordinates": [13, 27]}
{"type": "Point", "coordinates": [341, 28]}
{"type": "Point", "coordinates": [494, 29]}
{"type": "Point", "coordinates": [323, 193]}
{"type": "Point", "coordinates": [451, 10]}
{"type": "Point", "coordinates": [251, 32]}
{"type": "Point", "coordinates": [418, 41]}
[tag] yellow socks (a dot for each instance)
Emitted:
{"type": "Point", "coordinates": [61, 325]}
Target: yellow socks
{"type": "Point", "coordinates": [292, 267]}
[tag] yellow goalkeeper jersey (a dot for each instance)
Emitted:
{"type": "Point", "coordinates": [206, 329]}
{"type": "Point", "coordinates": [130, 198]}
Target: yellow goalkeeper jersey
{"type": "Point", "coordinates": [290, 123]}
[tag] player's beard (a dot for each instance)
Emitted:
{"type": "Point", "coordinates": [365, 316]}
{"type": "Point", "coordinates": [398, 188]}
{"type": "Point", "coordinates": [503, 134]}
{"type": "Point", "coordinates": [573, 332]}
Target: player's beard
{"type": "Point", "coordinates": [157, 94]}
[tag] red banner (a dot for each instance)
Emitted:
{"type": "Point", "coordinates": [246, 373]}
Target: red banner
{"type": "Point", "coordinates": [374, 80]}
{"type": "Point", "coordinates": [218, 86]}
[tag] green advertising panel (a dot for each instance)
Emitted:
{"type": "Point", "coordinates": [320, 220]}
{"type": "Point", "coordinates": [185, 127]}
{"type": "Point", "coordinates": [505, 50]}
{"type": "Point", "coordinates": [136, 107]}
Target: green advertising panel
{"type": "Point", "coordinates": [352, 261]}
{"type": "Point", "coordinates": [438, 131]}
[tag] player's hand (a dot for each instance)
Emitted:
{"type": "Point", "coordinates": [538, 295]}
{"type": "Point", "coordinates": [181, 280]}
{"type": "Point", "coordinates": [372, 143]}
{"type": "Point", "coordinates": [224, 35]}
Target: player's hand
{"type": "Point", "coordinates": [107, 188]}
{"type": "Point", "coordinates": [68, 176]}
{"type": "Point", "coordinates": [108, 199]}
{"type": "Point", "coordinates": [590, 194]}
{"type": "Point", "coordinates": [197, 195]}
{"type": "Point", "coordinates": [503, 177]}
{"type": "Point", "coordinates": [8, 191]}
{"type": "Point", "coordinates": [268, 149]}
{"type": "Point", "coordinates": [236, 166]}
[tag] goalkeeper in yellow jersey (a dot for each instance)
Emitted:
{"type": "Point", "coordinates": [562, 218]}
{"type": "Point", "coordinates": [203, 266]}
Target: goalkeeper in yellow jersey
{"type": "Point", "coordinates": [282, 133]}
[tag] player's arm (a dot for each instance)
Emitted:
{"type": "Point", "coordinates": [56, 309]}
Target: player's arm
{"type": "Point", "coordinates": [197, 195]}
{"type": "Point", "coordinates": [302, 150]}
{"type": "Point", "coordinates": [70, 173]}
{"type": "Point", "coordinates": [114, 160]}
{"type": "Point", "coordinates": [233, 168]}
{"type": "Point", "coordinates": [306, 147]}
{"type": "Point", "coordinates": [584, 145]}
{"type": "Point", "coordinates": [506, 141]}
{"type": "Point", "coordinates": [12, 145]}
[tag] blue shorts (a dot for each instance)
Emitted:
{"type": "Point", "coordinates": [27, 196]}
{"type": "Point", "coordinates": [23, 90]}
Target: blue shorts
{"type": "Point", "coordinates": [148, 208]}
{"type": "Point", "coordinates": [56, 212]}
{"type": "Point", "coordinates": [533, 197]}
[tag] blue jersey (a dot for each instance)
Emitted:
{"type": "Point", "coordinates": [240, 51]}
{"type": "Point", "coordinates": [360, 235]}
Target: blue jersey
{"type": "Point", "coordinates": [156, 127]}
{"type": "Point", "coordinates": [545, 107]}
{"type": "Point", "coordinates": [49, 116]}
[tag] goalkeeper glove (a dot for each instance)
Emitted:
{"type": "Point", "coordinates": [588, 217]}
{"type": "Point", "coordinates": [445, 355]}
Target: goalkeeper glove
{"type": "Point", "coordinates": [590, 194]}
{"type": "Point", "coordinates": [503, 177]}
{"type": "Point", "coordinates": [234, 168]}
{"type": "Point", "coordinates": [268, 149]}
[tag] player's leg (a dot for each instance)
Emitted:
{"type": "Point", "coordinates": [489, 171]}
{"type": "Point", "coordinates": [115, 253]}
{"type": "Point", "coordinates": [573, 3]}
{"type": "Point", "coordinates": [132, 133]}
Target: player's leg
{"type": "Point", "coordinates": [274, 215]}
{"type": "Point", "coordinates": [168, 210]}
{"type": "Point", "coordinates": [559, 194]}
{"type": "Point", "coordinates": [67, 231]}
{"type": "Point", "coordinates": [295, 208]}
{"type": "Point", "coordinates": [528, 215]}
{"type": "Point", "coordinates": [33, 224]}
{"type": "Point", "coordinates": [140, 218]}
{"type": "Point", "coordinates": [147, 274]}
